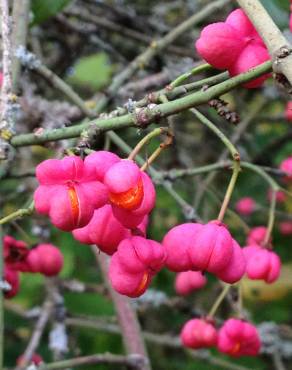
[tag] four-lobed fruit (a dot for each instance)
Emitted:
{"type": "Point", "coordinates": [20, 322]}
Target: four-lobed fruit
{"type": "Point", "coordinates": [238, 338]}
{"type": "Point", "coordinates": [234, 45]}
{"type": "Point", "coordinates": [198, 333]}
{"type": "Point", "coordinates": [187, 282]}
{"type": "Point", "coordinates": [134, 264]}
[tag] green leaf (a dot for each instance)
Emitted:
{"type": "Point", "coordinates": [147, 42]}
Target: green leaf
{"type": "Point", "coordinates": [45, 9]}
{"type": "Point", "coordinates": [93, 71]}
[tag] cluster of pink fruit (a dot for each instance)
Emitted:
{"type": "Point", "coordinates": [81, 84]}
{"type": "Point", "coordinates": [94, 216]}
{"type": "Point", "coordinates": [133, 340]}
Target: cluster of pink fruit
{"type": "Point", "coordinates": [105, 200]}
{"type": "Point", "coordinates": [43, 258]}
{"type": "Point", "coordinates": [257, 262]}
{"type": "Point", "coordinates": [234, 45]}
{"type": "Point", "coordinates": [195, 247]}
{"type": "Point", "coordinates": [235, 338]}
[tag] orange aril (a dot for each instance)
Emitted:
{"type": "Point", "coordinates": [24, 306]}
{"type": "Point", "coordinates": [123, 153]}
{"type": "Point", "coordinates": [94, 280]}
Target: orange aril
{"type": "Point", "coordinates": [74, 204]}
{"type": "Point", "coordinates": [236, 348]}
{"type": "Point", "coordinates": [143, 283]}
{"type": "Point", "coordinates": [130, 199]}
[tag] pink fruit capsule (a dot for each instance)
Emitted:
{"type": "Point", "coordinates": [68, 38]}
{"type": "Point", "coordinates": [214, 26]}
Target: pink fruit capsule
{"type": "Point", "coordinates": [280, 196]}
{"type": "Point", "coordinates": [15, 253]}
{"type": "Point", "coordinates": [68, 192]}
{"type": "Point", "coordinates": [211, 248]}
{"type": "Point", "coordinates": [236, 267]}
{"type": "Point", "coordinates": [234, 45]}
{"type": "Point", "coordinates": [286, 228]}
{"type": "Point", "coordinates": [241, 23]}
{"type": "Point", "coordinates": [131, 193]}
{"type": "Point", "coordinates": [220, 45]}
{"type": "Point", "coordinates": [286, 166]}
{"type": "Point", "coordinates": [104, 230]}
{"type": "Point", "coordinates": [177, 243]}
{"type": "Point", "coordinates": [251, 56]}
{"type": "Point", "coordinates": [238, 338]}
{"type": "Point", "coordinates": [288, 110]}
{"type": "Point", "coordinates": [124, 182]}
{"type": "Point", "coordinates": [245, 206]}
{"type": "Point", "coordinates": [101, 161]}
{"type": "Point", "coordinates": [189, 281]}
{"type": "Point", "coordinates": [134, 264]}
{"type": "Point", "coordinates": [197, 333]}
{"type": "Point", "coordinates": [46, 259]}
{"type": "Point", "coordinates": [256, 235]}
{"type": "Point", "coordinates": [262, 264]}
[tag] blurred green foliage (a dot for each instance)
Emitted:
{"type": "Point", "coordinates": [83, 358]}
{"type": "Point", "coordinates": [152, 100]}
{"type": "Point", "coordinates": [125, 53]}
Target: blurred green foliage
{"type": "Point", "coordinates": [93, 72]}
{"type": "Point", "coordinates": [44, 9]}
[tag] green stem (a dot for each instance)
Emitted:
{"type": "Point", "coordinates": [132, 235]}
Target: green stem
{"type": "Point", "coordinates": [271, 219]}
{"type": "Point", "coordinates": [219, 300]}
{"type": "Point", "coordinates": [145, 140]}
{"type": "Point", "coordinates": [177, 173]}
{"type": "Point", "coordinates": [17, 214]}
{"type": "Point", "coordinates": [262, 173]}
{"type": "Point", "coordinates": [149, 115]}
{"type": "Point", "coordinates": [157, 152]}
{"type": "Point", "coordinates": [235, 156]}
{"type": "Point", "coordinates": [275, 187]}
{"type": "Point", "coordinates": [233, 151]}
{"type": "Point", "coordinates": [229, 191]}
{"type": "Point", "coordinates": [201, 68]}
{"type": "Point", "coordinates": [230, 212]}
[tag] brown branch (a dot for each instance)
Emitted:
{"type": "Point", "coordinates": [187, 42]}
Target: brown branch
{"type": "Point", "coordinates": [131, 361]}
{"type": "Point", "coordinates": [127, 317]}
{"type": "Point", "coordinates": [37, 334]}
